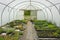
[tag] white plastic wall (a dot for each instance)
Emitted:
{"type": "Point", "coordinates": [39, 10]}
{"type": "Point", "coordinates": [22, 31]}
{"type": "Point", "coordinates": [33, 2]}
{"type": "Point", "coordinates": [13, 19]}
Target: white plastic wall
{"type": "Point", "coordinates": [40, 15]}
{"type": "Point", "coordinates": [20, 15]}
{"type": "Point", "coordinates": [51, 11]}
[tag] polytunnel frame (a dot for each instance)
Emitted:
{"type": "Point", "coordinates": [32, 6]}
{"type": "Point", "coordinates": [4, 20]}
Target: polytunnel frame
{"type": "Point", "coordinates": [35, 8]}
{"type": "Point", "coordinates": [6, 5]}
{"type": "Point", "coordinates": [4, 9]}
{"type": "Point", "coordinates": [36, 2]}
{"type": "Point", "coordinates": [53, 4]}
{"type": "Point", "coordinates": [26, 7]}
{"type": "Point", "coordinates": [12, 8]}
{"type": "Point", "coordinates": [10, 12]}
{"type": "Point", "coordinates": [19, 3]}
{"type": "Point", "coordinates": [43, 11]}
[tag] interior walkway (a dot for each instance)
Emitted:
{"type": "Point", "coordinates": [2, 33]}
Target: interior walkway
{"type": "Point", "coordinates": [29, 33]}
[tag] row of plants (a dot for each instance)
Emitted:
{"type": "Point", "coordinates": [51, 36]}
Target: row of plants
{"type": "Point", "coordinates": [46, 29]}
{"type": "Point", "coordinates": [48, 34]}
{"type": "Point", "coordinates": [16, 22]}
{"type": "Point", "coordinates": [43, 24]}
{"type": "Point", "coordinates": [12, 36]}
{"type": "Point", "coordinates": [13, 31]}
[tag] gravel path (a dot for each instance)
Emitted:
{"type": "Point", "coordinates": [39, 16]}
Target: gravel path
{"type": "Point", "coordinates": [29, 33]}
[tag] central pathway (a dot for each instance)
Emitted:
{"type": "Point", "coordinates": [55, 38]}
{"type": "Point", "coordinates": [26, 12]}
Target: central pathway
{"type": "Point", "coordinates": [29, 33]}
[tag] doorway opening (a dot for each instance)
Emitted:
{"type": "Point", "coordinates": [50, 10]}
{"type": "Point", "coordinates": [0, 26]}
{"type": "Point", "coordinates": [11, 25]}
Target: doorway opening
{"type": "Point", "coordinates": [30, 14]}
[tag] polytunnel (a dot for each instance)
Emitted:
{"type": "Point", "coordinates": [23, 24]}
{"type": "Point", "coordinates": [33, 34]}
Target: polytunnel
{"type": "Point", "coordinates": [14, 9]}
{"type": "Point", "coordinates": [9, 10]}
{"type": "Point", "coordinates": [48, 10]}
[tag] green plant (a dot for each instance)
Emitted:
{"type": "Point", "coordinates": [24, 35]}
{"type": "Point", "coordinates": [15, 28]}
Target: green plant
{"type": "Point", "coordinates": [55, 34]}
{"type": "Point", "coordinates": [27, 12]}
{"type": "Point", "coordinates": [11, 24]}
{"type": "Point", "coordinates": [20, 33]}
{"type": "Point", "coordinates": [1, 30]}
{"type": "Point", "coordinates": [1, 38]}
{"type": "Point", "coordinates": [10, 30]}
{"type": "Point", "coordinates": [51, 26]}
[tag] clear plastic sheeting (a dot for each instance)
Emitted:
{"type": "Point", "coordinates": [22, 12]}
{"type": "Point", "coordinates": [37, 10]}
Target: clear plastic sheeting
{"type": "Point", "coordinates": [39, 15]}
{"type": "Point", "coordinates": [14, 10]}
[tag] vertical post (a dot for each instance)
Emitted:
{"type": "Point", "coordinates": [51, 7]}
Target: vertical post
{"type": "Point", "coordinates": [30, 4]}
{"type": "Point", "coordinates": [59, 9]}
